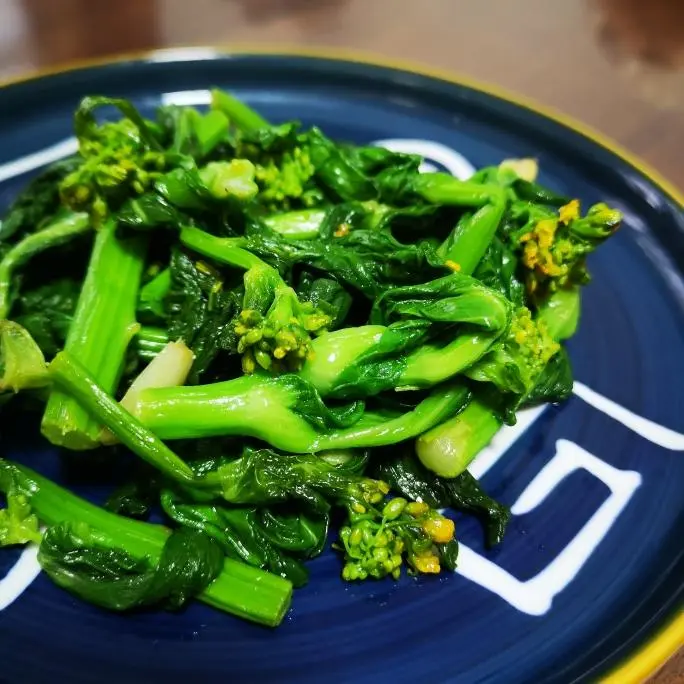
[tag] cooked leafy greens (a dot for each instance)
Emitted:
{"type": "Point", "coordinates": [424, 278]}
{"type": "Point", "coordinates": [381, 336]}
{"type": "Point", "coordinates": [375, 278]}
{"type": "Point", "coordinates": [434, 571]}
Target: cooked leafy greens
{"type": "Point", "coordinates": [324, 335]}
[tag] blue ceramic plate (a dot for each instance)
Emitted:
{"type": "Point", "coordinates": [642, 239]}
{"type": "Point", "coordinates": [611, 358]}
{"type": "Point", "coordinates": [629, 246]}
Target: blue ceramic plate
{"type": "Point", "coordinates": [590, 576]}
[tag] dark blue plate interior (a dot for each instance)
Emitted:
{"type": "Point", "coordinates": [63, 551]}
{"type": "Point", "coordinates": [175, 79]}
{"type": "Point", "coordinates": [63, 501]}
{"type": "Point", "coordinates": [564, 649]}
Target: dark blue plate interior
{"type": "Point", "coordinates": [593, 562]}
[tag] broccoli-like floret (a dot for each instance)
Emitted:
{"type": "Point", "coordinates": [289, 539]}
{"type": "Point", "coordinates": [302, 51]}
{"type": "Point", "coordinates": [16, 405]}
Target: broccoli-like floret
{"type": "Point", "coordinates": [553, 249]}
{"type": "Point", "coordinates": [379, 535]}
{"type": "Point", "coordinates": [285, 179]}
{"type": "Point", "coordinates": [284, 168]}
{"type": "Point", "coordinates": [18, 524]}
{"type": "Point", "coordinates": [516, 363]}
{"type": "Point", "coordinates": [377, 540]}
{"type": "Point", "coordinates": [274, 327]}
{"type": "Point", "coordinates": [531, 341]}
{"type": "Point", "coordinates": [116, 163]}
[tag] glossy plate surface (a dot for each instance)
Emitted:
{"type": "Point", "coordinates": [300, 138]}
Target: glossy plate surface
{"type": "Point", "coordinates": [593, 564]}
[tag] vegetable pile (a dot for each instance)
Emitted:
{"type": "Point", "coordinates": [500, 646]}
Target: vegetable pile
{"type": "Point", "coordinates": [291, 334]}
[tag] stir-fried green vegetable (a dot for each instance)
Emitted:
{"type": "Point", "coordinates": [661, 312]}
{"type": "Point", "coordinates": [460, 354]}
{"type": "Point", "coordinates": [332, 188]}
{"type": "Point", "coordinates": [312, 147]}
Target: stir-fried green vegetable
{"type": "Point", "coordinates": [284, 330]}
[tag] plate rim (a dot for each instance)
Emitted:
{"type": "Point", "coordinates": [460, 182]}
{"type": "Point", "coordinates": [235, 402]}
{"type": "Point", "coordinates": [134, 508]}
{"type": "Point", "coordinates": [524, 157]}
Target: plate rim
{"type": "Point", "coordinates": [646, 660]}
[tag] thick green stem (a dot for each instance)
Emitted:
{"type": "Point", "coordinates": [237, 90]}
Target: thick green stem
{"type": "Point", "coordinates": [560, 312]}
{"type": "Point", "coordinates": [238, 113]}
{"type": "Point", "coordinates": [251, 406]}
{"type": "Point", "coordinates": [226, 250]}
{"type": "Point", "coordinates": [77, 384]}
{"type": "Point", "coordinates": [423, 367]}
{"type": "Point", "coordinates": [429, 364]}
{"type": "Point", "coordinates": [57, 233]}
{"type": "Point", "coordinates": [469, 240]}
{"type": "Point", "coordinates": [304, 224]}
{"type": "Point", "coordinates": [169, 368]}
{"type": "Point", "coordinates": [240, 589]}
{"type": "Point", "coordinates": [335, 351]}
{"type": "Point", "coordinates": [102, 327]}
{"type": "Point", "coordinates": [442, 188]}
{"type": "Point", "coordinates": [264, 408]}
{"type": "Point", "coordinates": [376, 430]}
{"type": "Point", "coordinates": [449, 448]}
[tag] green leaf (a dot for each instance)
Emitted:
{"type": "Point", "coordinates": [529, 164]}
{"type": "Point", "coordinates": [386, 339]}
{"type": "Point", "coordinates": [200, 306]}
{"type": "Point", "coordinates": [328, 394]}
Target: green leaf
{"type": "Point", "coordinates": [327, 295]}
{"type": "Point", "coordinates": [152, 297]}
{"type": "Point", "coordinates": [150, 210]}
{"type": "Point", "coordinates": [86, 126]}
{"type": "Point", "coordinates": [454, 298]}
{"type": "Point", "coordinates": [295, 530]}
{"type": "Point", "coordinates": [37, 202]}
{"type": "Point", "coordinates": [407, 476]}
{"type": "Point", "coordinates": [431, 332]}
{"type": "Point", "coordinates": [555, 382]}
{"type": "Point", "coordinates": [247, 592]}
{"type": "Point", "coordinates": [365, 259]}
{"type": "Point", "coordinates": [201, 309]}
{"type": "Point", "coordinates": [46, 313]}
{"type": "Point", "coordinates": [94, 568]}
{"type": "Point", "coordinates": [498, 269]}
{"type": "Point", "coordinates": [63, 229]}
{"type": "Point", "coordinates": [239, 532]}
{"type": "Point", "coordinates": [337, 170]}
{"type": "Point", "coordinates": [310, 406]}
{"type": "Point", "coordinates": [135, 499]}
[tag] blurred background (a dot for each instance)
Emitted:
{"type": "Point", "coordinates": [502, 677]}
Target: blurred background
{"type": "Point", "coordinates": [617, 65]}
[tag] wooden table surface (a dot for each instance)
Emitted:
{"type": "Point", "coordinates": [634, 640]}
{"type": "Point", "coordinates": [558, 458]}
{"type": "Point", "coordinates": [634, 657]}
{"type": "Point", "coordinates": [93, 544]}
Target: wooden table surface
{"type": "Point", "coordinates": [617, 65]}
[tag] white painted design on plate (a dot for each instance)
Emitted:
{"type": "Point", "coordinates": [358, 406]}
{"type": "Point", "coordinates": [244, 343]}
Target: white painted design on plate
{"type": "Point", "coordinates": [20, 576]}
{"type": "Point", "coordinates": [187, 98]}
{"type": "Point", "coordinates": [534, 596]}
{"type": "Point", "coordinates": [41, 158]}
{"type": "Point", "coordinates": [653, 432]}
{"type": "Point", "coordinates": [504, 438]}
{"type": "Point", "coordinates": [451, 160]}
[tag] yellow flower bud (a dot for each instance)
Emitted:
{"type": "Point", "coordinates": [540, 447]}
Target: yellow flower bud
{"type": "Point", "coordinates": [569, 212]}
{"type": "Point", "coordinates": [342, 230]}
{"type": "Point", "coordinates": [427, 563]}
{"type": "Point", "coordinates": [439, 529]}
{"type": "Point", "coordinates": [416, 508]}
